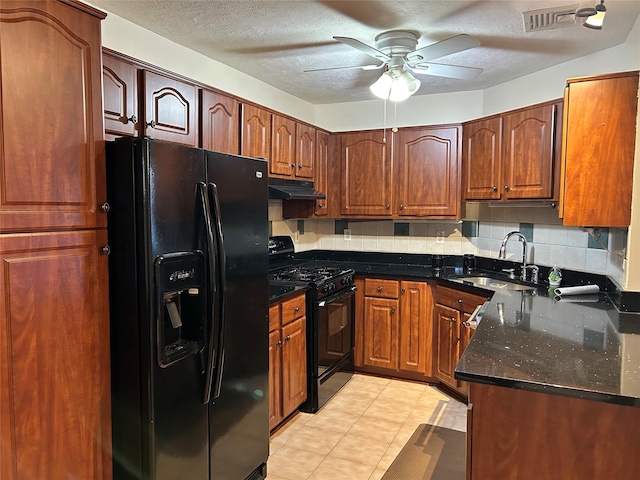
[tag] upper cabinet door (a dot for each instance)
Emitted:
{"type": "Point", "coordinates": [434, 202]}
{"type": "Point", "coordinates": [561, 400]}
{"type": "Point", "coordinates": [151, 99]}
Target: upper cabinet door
{"type": "Point", "coordinates": [528, 153]}
{"type": "Point", "coordinates": [366, 174]}
{"type": "Point", "coordinates": [427, 176]}
{"type": "Point", "coordinates": [256, 132]}
{"type": "Point", "coordinates": [321, 171]}
{"type": "Point", "coordinates": [52, 170]}
{"type": "Point", "coordinates": [482, 159]}
{"type": "Point", "coordinates": [283, 146]}
{"type": "Point", "coordinates": [600, 136]}
{"type": "Point", "coordinates": [305, 151]}
{"type": "Point", "coordinates": [120, 96]}
{"type": "Point", "coordinates": [220, 125]}
{"type": "Point", "coordinates": [170, 109]}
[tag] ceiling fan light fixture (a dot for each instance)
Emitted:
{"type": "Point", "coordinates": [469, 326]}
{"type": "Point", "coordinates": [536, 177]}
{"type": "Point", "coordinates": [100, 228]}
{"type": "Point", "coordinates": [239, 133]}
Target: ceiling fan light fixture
{"type": "Point", "coordinates": [595, 21]}
{"type": "Point", "coordinates": [395, 85]}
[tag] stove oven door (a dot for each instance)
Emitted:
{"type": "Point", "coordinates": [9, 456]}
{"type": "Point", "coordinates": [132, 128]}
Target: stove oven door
{"type": "Point", "coordinates": [335, 325]}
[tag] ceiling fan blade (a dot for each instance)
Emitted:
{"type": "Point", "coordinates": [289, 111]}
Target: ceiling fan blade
{"type": "Point", "coordinates": [363, 67]}
{"type": "Point", "coordinates": [451, 71]}
{"type": "Point", "coordinates": [364, 48]}
{"type": "Point", "coordinates": [446, 47]}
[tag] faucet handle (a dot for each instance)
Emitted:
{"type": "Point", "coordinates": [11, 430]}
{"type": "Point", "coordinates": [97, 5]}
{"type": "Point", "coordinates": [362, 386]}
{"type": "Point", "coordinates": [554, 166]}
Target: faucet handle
{"type": "Point", "coordinates": [510, 271]}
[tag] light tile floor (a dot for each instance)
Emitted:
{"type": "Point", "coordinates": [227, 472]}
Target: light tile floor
{"type": "Point", "coordinates": [357, 435]}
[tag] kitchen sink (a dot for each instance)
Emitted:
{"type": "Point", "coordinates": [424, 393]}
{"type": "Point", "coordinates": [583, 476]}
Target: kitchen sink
{"type": "Point", "coordinates": [491, 282]}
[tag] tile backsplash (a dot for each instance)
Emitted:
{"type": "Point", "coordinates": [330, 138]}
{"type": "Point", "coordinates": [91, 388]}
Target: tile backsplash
{"type": "Point", "coordinates": [548, 241]}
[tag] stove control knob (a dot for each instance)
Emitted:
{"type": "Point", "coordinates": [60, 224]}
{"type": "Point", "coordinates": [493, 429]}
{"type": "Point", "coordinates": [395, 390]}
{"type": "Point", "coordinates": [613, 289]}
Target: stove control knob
{"type": "Point", "coordinates": [325, 289]}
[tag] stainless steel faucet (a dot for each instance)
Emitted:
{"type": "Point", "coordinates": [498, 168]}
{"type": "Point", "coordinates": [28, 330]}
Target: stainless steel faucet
{"type": "Point", "coordinates": [503, 251]}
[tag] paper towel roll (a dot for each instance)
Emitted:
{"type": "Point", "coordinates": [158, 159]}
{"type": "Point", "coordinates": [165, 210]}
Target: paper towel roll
{"type": "Point", "coordinates": [581, 290]}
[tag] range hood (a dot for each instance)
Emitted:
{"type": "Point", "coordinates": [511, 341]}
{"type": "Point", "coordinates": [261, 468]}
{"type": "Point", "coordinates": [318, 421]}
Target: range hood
{"type": "Point", "coordinates": [280, 188]}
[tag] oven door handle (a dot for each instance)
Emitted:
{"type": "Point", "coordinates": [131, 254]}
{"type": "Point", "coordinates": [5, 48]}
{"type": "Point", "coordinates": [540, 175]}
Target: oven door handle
{"type": "Point", "coordinates": [337, 296]}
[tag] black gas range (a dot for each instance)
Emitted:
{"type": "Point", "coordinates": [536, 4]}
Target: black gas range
{"type": "Point", "coordinates": [330, 296]}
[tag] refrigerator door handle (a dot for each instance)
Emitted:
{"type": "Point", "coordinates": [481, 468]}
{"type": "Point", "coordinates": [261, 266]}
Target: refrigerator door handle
{"type": "Point", "coordinates": [217, 384]}
{"type": "Point", "coordinates": [213, 334]}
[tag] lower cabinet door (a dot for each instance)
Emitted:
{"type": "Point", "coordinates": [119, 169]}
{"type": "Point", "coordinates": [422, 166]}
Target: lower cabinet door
{"type": "Point", "coordinates": [275, 375]}
{"type": "Point", "coordinates": [381, 332]}
{"type": "Point", "coordinates": [294, 365]}
{"type": "Point", "coordinates": [55, 393]}
{"type": "Point", "coordinates": [447, 321]}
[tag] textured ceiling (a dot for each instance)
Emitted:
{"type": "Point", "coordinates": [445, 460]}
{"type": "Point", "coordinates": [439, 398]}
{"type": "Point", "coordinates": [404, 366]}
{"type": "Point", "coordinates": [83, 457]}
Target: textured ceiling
{"type": "Point", "coordinates": [276, 41]}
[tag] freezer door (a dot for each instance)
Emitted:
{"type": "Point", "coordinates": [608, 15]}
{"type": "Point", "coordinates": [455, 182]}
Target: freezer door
{"type": "Point", "coordinates": [239, 413]}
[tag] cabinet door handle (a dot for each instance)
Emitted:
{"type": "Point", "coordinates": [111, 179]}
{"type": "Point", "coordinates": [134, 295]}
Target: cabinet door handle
{"type": "Point", "coordinates": [293, 165]}
{"type": "Point", "coordinates": [300, 166]}
{"type": "Point", "coordinates": [379, 289]}
{"type": "Point", "coordinates": [152, 124]}
{"type": "Point", "coordinates": [105, 250]}
{"type": "Point", "coordinates": [494, 188]}
{"type": "Point", "coordinates": [297, 309]}
{"type": "Point", "coordinates": [401, 207]}
{"type": "Point", "coordinates": [132, 119]}
{"type": "Point", "coordinates": [287, 338]}
{"type": "Point", "coordinates": [105, 207]}
{"type": "Point", "coordinates": [320, 205]}
{"type": "Point", "coordinates": [387, 206]}
{"type": "Point", "coordinates": [453, 320]}
{"type": "Point", "coordinates": [506, 188]}
{"type": "Point", "coordinates": [279, 343]}
{"type": "Point", "coordinates": [393, 310]}
{"type": "Point", "coordinates": [402, 291]}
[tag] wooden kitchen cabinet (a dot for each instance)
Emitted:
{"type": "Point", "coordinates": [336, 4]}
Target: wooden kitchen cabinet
{"type": "Point", "coordinates": [220, 122]}
{"type": "Point", "coordinates": [366, 175]}
{"type": "Point", "coordinates": [52, 156]}
{"type": "Point", "coordinates": [598, 150]}
{"type": "Point", "coordinates": [452, 308]}
{"type": "Point", "coordinates": [396, 328]}
{"type": "Point", "coordinates": [426, 175]}
{"type": "Point", "coordinates": [255, 132]}
{"type": "Point", "coordinates": [120, 95]}
{"type": "Point", "coordinates": [513, 156]}
{"type": "Point", "coordinates": [305, 152]}
{"type": "Point", "coordinates": [170, 109]}
{"type": "Point", "coordinates": [55, 393]}
{"type": "Point", "coordinates": [283, 146]}
{"type": "Point", "coordinates": [287, 358]}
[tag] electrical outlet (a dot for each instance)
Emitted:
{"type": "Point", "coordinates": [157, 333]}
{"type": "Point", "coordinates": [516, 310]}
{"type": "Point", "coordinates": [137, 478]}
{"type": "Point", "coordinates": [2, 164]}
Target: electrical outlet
{"type": "Point", "coordinates": [296, 236]}
{"type": "Point", "coordinates": [347, 235]}
{"type": "Point", "coordinates": [440, 236]}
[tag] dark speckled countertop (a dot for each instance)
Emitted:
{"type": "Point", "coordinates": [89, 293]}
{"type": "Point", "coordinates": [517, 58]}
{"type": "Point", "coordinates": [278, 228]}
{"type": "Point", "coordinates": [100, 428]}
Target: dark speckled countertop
{"type": "Point", "coordinates": [581, 346]}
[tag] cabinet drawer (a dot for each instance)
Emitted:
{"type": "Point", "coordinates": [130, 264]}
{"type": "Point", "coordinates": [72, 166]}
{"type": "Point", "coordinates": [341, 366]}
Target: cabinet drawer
{"type": "Point", "coordinates": [292, 309]}
{"type": "Point", "coordinates": [463, 301]}
{"type": "Point", "coordinates": [274, 317]}
{"type": "Point", "coordinates": [375, 287]}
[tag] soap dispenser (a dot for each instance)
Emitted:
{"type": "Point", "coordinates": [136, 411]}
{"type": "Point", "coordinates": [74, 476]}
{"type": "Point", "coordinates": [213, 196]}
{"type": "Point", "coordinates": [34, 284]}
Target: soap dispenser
{"type": "Point", "coordinates": [555, 276]}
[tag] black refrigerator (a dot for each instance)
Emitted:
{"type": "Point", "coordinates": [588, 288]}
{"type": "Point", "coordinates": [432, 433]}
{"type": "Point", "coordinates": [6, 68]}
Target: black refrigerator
{"type": "Point", "coordinates": [188, 233]}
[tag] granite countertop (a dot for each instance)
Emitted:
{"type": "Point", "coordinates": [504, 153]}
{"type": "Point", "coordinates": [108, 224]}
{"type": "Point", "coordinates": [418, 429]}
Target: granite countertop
{"type": "Point", "coordinates": [581, 346]}
{"type": "Point", "coordinates": [578, 346]}
{"type": "Point", "coordinates": [281, 292]}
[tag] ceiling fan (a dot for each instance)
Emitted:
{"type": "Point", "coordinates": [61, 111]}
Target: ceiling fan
{"type": "Point", "coordinates": [396, 52]}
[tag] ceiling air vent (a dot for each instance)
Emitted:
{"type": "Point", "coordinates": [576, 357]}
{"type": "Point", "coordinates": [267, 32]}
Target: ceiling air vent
{"type": "Point", "coordinates": [548, 18]}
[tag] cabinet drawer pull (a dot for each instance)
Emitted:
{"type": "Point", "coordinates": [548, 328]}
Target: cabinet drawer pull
{"type": "Point", "coordinates": [459, 300]}
{"type": "Point", "coordinates": [297, 309]}
{"type": "Point", "coordinates": [105, 207]}
{"type": "Point", "coordinates": [132, 119]}
{"type": "Point", "coordinates": [379, 289]}
{"type": "Point", "coordinates": [152, 124]}
{"type": "Point", "coordinates": [105, 250]}
{"type": "Point", "coordinates": [320, 205]}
